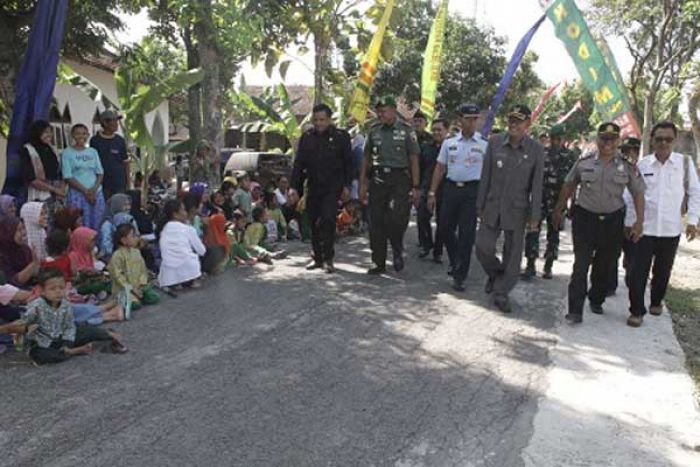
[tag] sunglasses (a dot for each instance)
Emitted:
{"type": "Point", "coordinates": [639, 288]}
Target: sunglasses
{"type": "Point", "coordinates": [661, 139]}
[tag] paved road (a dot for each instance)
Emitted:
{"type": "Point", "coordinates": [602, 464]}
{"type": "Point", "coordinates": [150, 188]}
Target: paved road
{"type": "Point", "coordinates": [287, 367]}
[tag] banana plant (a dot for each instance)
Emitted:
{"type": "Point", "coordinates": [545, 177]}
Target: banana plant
{"type": "Point", "coordinates": [135, 101]}
{"type": "Point", "coordinates": [274, 112]}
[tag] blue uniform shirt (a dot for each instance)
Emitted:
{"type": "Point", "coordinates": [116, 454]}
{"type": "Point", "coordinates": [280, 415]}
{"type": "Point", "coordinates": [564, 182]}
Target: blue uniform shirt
{"type": "Point", "coordinates": [463, 157]}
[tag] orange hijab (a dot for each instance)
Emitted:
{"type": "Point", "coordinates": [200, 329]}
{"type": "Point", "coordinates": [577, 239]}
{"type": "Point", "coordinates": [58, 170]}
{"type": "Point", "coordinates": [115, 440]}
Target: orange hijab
{"type": "Point", "coordinates": [216, 233]}
{"type": "Point", "coordinates": [80, 252]}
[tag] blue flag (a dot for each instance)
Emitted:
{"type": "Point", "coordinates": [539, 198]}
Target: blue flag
{"type": "Point", "coordinates": [35, 83]}
{"type": "Point", "coordinates": [508, 76]}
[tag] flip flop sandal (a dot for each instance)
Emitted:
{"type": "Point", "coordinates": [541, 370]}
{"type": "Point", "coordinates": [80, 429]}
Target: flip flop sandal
{"type": "Point", "coordinates": [119, 348]}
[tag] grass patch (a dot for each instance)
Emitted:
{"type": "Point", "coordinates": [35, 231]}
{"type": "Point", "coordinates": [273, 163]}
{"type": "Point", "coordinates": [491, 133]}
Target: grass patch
{"type": "Point", "coordinates": [684, 304]}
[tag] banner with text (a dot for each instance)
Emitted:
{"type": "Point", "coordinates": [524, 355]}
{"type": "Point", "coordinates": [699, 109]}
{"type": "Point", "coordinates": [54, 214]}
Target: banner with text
{"type": "Point", "coordinates": [597, 69]}
{"type": "Point", "coordinates": [433, 62]}
{"type": "Point", "coordinates": [368, 70]}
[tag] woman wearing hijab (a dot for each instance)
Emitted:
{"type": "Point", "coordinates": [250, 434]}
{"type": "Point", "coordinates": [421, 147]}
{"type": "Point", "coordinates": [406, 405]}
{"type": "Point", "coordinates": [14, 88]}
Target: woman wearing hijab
{"type": "Point", "coordinates": [41, 167]}
{"type": "Point", "coordinates": [19, 263]}
{"type": "Point", "coordinates": [82, 244]}
{"type": "Point", "coordinates": [119, 204]}
{"type": "Point", "coordinates": [8, 208]}
{"type": "Point", "coordinates": [218, 245]}
{"type": "Point", "coordinates": [35, 217]}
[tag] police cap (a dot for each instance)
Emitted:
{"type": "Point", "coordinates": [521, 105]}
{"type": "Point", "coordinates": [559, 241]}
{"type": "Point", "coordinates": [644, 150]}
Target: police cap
{"type": "Point", "coordinates": [609, 129]}
{"type": "Point", "coordinates": [386, 101]}
{"type": "Point", "coordinates": [631, 142]}
{"type": "Point", "coordinates": [468, 110]}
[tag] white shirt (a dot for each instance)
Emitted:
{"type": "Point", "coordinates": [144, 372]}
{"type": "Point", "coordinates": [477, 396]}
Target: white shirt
{"type": "Point", "coordinates": [630, 211]}
{"type": "Point", "coordinates": [281, 197]}
{"type": "Point", "coordinates": [664, 195]}
{"type": "Point", "coordinates": [180, 249]}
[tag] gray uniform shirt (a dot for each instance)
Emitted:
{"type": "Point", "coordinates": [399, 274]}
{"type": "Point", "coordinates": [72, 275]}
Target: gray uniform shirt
{"type": "Point", "coordinates": [510, 191]}
{"type": "Point", "coordinates": [602, 184]}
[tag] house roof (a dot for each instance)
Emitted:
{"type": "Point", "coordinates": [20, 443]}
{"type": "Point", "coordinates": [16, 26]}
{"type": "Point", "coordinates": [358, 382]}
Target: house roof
{"type": "Point", "coordinates": [106, 60]}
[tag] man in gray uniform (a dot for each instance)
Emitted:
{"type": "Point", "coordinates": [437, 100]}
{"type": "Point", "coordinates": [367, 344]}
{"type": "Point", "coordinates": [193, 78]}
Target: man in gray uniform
{"type": "Point", "coordinates": [598, 218]}
{"type": "Point", "coordinates": [510, 199]}
{"type": "Point", "coordinates": [391, 160]}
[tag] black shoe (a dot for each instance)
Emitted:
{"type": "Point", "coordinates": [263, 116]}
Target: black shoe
{"type": "Point", "coordinates": [377, 270]}
{"type": "Point", "coordinates": [488, 288]}
{"type": "Point", "coordinates": [573, 319]}
{"type": "Point", "coordinates": [437, 259]}
{"type": "Point", "coordinates": [597, 309]}
{"type": "Point", "coordinates": [424, 252]}
{"type": "Point", "coordinates": [330, 268]}
{"type": "Point", "coordinates": [314, 265]}
{"type": "Point", "coordinates": [503, 304]}
{"type": "Point", "coordinates": [547, 274]}
{"type": "Point", "coordinates": [528, 273]}
{"type": "Point", "coordinates": [450, 270]}
{"type": "Point", "coordinates": [610, 293]}
{"type": "Point", "coordinates": [398, 263]}
{"type": "Point", "coordinates": [458, 286]}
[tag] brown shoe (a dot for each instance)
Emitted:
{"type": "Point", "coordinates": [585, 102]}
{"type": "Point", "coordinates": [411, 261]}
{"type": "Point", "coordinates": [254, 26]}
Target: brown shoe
{"type": "Point", "coordinates": [635, 321]}
{"type": "Point", "coordinates": [656, 310]}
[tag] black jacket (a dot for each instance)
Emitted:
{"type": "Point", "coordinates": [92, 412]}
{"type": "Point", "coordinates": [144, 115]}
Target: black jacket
{"type": "Point", "coordinates": [325, 160]}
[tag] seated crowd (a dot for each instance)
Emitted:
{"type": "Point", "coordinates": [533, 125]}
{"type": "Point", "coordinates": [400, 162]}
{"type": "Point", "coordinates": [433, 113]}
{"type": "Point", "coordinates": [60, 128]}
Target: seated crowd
{"type": "Point", "coordinates": [71, 260]}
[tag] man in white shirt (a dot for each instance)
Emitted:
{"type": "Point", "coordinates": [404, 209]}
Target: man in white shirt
{"type": "Point", "coordinates": [670, 177]}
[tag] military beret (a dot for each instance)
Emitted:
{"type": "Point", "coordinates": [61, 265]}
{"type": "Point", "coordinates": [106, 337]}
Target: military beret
{"type": "Point", "coordinates": [521, 112]}
{"type": "Point", "coordinates": [386, 101]}
{"type": "Point", "coordinates": [556, 130]}
{"type": "Point", "coordinates": [468, 110]}
{"type": "Point", "coordinates": [631, 142]}
{"type": "Point", "coordinates": [609, 129]}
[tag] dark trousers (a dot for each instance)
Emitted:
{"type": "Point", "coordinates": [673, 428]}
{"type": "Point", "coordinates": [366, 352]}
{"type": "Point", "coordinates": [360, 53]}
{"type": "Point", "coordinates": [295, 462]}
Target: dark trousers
{"type": "Point", "coordinates": [662, 251]}
{"type": "Point", "coordinates": [597, 243]}
{"type": "Point", "coordinates": [458, 225]}
{"type": "Point", "coordinates": [55, 354]}
{"type": "Point", "coordinates": [425, 230]}
{"type": "Point", "coordinates": [322, 209]}
{"type": "Point", "coordinates": [628, 248]}
{"type": "Point", "coordinates": [504, 271]}
{"type": "Point", "coordinates": [389, 208]}
{"type": "Point", "coordinates": [532, 243]}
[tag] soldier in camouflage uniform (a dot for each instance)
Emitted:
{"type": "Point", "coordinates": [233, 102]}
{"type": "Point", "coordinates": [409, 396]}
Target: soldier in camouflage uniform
{"type": "Point", "coordinates": [557, 164]}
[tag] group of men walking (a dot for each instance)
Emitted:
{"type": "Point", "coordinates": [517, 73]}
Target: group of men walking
{"type": "Point", "coordinates": [510, 186]}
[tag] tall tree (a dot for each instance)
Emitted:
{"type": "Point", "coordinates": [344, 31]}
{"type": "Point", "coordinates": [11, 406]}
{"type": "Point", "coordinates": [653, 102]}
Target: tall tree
{"type": "Point", "coordinates": [662, 36]}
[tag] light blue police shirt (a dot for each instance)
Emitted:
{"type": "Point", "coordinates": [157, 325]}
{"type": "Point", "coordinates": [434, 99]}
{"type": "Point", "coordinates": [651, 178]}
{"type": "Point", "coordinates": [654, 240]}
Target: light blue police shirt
{"type": "Point", "coordinates": [463, 157]}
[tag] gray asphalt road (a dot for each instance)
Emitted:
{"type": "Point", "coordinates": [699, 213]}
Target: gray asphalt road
{"type": "Point", "coordinates": [286, 367]}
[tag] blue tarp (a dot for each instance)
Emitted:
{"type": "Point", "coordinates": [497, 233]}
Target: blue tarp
{"type": "Point", "coordinates": [35, 83]}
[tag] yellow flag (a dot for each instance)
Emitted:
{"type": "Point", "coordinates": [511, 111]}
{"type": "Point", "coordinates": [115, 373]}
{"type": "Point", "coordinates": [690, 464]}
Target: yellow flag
{"type": "Point", "coordinates": [368, 70]}
{"type": "Point", "coordinates": [432, 62]}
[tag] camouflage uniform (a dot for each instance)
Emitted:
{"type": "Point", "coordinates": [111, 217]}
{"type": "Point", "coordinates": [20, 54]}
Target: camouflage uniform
{"type": "Point", "coordinates": [557, 165]}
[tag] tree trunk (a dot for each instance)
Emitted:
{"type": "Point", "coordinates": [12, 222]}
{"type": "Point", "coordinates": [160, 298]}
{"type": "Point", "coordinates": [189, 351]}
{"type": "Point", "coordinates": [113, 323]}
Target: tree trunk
{"type": "Point", "coordinates": [212, 99]}
{"type": "Point", "coordinates": [321, 44]}
{"type": "Point", "coordinates": [693, 109]}
{"type": "Point", "coordinates": [649, 97]}
{"type": "Point", "coordinates": [194, 104]}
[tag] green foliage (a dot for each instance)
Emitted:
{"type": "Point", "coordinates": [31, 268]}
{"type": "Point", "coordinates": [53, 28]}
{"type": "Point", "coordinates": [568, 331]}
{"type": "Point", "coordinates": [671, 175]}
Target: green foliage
{"type": "Point", "coordinates": [581, 123]}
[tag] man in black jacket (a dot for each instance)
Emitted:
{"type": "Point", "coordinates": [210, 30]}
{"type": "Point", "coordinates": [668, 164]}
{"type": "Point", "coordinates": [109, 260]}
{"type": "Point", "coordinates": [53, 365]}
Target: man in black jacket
{"type": "Point", "coordinates": [324, 160]}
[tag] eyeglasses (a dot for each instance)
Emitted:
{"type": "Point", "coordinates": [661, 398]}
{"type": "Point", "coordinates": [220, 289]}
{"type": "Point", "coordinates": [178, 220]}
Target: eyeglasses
{"type": "Point", "coordinates": [608, 139]}
{"type": "Point", "coordinates": [661, 139]}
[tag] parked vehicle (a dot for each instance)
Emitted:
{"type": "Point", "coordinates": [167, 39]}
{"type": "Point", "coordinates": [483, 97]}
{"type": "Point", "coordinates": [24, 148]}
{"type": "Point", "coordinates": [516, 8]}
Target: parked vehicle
{"type": "Point", "coordinates": [268, 165]}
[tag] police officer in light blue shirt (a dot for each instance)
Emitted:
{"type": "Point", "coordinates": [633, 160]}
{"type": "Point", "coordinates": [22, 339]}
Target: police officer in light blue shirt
{"type": "Point", "coordinates": [460, 159]}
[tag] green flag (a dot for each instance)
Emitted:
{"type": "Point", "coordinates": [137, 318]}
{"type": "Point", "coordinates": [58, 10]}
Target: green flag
{"type": "Point", "coordinates": [432, 62]}
{"type": "Point", "coordinates": [598, 69]}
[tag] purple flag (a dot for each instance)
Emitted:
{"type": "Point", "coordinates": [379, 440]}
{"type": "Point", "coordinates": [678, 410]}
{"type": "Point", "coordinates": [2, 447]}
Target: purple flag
{"type": "Point", "coordinates": [508, 76]}
{"type": "Point", "coordinates": [35, 82]}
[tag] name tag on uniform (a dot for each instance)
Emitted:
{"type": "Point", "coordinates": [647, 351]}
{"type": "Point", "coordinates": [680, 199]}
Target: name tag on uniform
{"type": "Point", "coordinates": [499, 164]}
{"type": "Point", "coordinates": [452, 148]}
{"type": "Point", "coordinates": [649, 175]}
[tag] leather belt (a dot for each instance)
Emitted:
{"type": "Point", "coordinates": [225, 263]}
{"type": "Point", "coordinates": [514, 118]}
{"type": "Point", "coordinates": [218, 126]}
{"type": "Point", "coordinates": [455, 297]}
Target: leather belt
{"type": "Point", "coordinates": [463, 184]}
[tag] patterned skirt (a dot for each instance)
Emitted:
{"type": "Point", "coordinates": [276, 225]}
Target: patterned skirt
{"type": "Point", "coordinates": [92, 213]}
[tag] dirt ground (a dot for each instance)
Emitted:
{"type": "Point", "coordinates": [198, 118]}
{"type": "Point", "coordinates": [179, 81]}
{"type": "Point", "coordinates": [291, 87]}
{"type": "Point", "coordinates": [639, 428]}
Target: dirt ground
{"type": "Point", "coordinates": [683, 299]}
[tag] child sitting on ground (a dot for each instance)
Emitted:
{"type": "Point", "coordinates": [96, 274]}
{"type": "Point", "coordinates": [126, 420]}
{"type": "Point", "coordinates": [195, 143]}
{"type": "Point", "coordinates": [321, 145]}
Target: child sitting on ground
{"type": "Point", "coordinates": [50, 327]}
{"type": "Point", "coordinates": [348, 221]}
{"type": "Point", "coordinates": [236, 234]}
{"type": "Point", "coordinates": [255, 238]}
{"type": "Point", "coordinates": [129, 272]}
{"type": "Point", "coordinates": [276, 223]}
{"type": "Point", "coordinates": [57, 249]}
{"type": "Point", "coordinates": [180, 249]}
{"type": "Point", "coordinates": [89, 278]}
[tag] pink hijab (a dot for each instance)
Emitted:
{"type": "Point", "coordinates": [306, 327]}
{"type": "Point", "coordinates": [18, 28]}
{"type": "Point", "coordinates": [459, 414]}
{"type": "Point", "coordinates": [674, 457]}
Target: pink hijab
{"type": "Point", "coordinates": [80, 251]}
